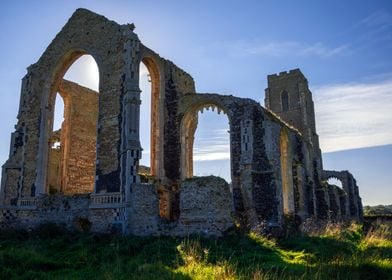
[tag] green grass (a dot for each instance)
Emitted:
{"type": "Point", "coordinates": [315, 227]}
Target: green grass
{"type": "Point", "coordinates": [339, 254]}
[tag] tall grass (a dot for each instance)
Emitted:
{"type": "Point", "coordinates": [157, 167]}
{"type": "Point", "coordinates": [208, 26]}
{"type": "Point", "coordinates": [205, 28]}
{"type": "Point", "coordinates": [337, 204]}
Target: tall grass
{"type": "Point", "coordinates": [335, 252]}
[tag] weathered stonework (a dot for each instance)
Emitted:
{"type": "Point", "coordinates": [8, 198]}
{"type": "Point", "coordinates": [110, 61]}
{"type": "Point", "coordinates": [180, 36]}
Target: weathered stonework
{"type": "Point", "coordinates": [71, 167]}
{"type": "Point", "coordinates": [93, 176]}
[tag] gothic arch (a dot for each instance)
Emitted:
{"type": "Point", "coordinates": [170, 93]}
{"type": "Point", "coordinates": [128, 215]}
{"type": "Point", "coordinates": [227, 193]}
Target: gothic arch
{"type": "Point", "coordinates": [188, 128]}
{"type": "Point", "coordinates": [154, 67]}
{"type": "Point", "coordinates": [69, 92]}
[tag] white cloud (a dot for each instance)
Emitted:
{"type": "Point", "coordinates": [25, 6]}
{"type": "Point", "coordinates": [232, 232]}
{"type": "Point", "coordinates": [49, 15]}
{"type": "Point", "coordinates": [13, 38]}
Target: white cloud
{"type": "Point", "coordinates": [211, 156]}
{"type": "Point", "coordinates": [354, 115]}
{"type": "Point", "coordinates": [279, 49]}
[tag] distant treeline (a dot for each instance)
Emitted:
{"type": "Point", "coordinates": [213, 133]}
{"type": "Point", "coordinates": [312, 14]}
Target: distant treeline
{"type": "Point", "coordinates": [378, 210]}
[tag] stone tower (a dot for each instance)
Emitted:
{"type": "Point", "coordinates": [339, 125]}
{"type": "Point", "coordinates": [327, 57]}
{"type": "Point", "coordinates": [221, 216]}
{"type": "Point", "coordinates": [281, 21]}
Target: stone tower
{"type": "Point", "coordinates": [288, 96]}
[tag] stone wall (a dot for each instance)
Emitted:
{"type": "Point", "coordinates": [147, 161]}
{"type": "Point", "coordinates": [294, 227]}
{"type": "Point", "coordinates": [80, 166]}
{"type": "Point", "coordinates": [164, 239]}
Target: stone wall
{"type": "Point", "coordinates": [54, 169]}
{"type": "Point", "coordinates": [10, 185]}
{"type": "Point", "coordinates": [143, 213]}
{"type": "Point", "coordinates": [79, 138]}
{"type": "Point", "coordinates": [206, 207]}
{"type": "Point", "coordinates": [67, 211]}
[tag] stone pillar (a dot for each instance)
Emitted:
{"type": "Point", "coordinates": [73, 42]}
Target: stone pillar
{"type": "Point", "coordinates": [131, 151]}
{"type": "Point", "coordinates": [303, 199]}
{"type": "Point", "coordinates": [250, 190]}
{"type": "Point", "coordinates": [354, 195]}
{"type": "Point", "coordinates": [133, 147]}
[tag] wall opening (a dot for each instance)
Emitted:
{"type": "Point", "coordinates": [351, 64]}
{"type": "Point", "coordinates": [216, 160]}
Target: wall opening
{"type": "Point", "coordinates": [286, 163]}
{"type": "Point", "coordinates": [206, 143]}
{"type": "Point", "coordinates": [342, 195]}
{"type": "Point", "coordinates": [55, 147]}
{"type": "Point", "coordinates": [58, 112]}
{"type": "Point", "coordinates": [73, 134]}
{"type": "Point", "coordinates": [145, 120]}
{"type": "Point", "coordinates": [149, 131]}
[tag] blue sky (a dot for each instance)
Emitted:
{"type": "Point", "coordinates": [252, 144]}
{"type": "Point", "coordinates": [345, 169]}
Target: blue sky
{"type": "Point", "coordinates": [342, 47]}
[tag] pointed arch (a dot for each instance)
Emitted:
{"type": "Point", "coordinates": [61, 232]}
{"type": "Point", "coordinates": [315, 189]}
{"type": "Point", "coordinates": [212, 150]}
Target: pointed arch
{"type": "Point", "coordinates": [155, 113]}
{"type": "Point", "coordinates": [71, 166]}
{"type": "Point", "coordinates": [188, 128]}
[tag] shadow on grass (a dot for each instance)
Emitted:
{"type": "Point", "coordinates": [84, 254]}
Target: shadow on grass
{"type": "Point", "coordinates": [323, 248]}
{"type": "Point", "coordinates": [75, 256]}
{"type": "Point", "coordinates": [383, 252]}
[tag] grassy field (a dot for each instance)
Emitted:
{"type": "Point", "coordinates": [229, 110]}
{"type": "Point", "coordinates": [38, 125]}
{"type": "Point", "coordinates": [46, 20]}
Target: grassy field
{"type": "Point", "coordinates": [335, 253]}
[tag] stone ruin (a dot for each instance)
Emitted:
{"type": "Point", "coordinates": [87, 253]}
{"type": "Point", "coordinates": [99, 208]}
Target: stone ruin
{"type": "Point", "coordinates": [87, 173]}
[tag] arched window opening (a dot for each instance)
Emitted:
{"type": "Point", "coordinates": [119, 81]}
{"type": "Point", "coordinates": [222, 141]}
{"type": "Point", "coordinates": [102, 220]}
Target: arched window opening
{"type": "Point", "coordinates": [336, 182]}
{"type": "Point", "coordinates": [55, 148]}
{"type": "Point", "coordinates": [286, 173]}
{"type": "Point", "coordinates": [208, 144]}
{"type": "Point", "coordinates": [285, 101]}
{"type": "Point", "coordinates": [73, 137]}
{"type": "Point", "coordinates": [57, 121]}
{"type": "Point", "coordinates": [145, 121]}
{"type": "Point", "coordinates": [149, 123]}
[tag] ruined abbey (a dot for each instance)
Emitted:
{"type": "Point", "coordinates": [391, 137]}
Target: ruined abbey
{"type": "Point", "coordinates": [86, 175]}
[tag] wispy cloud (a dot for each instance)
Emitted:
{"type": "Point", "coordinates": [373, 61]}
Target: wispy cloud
{"type": "Point", "coordinates": [299, 49]}
{"type": "Point", "coordinates": [376, 28]}
{"type": "Point", "coordinates": [209, 148]}
{"type": "Point", "coordinates": [379, 19]}
{"type": "Point", "coordinates": [354, 115]}
{"type": "Point", "coordinates": [211, 156]}
{"type": "Point", "coordinates": [348, 116]}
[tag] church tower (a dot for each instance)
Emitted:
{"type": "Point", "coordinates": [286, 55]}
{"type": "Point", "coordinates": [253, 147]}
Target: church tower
{"type": "Point", "coordinates": [289, 97]}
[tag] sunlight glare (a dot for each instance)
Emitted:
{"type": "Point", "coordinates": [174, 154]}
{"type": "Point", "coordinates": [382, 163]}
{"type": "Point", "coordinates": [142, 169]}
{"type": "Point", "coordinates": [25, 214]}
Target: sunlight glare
{"type": "Point", "coordinates": [84, 71]}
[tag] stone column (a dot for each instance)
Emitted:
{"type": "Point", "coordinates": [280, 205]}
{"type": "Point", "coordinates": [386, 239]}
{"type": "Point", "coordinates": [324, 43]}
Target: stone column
{"type": "Point", "coordinates": [131, 148]}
